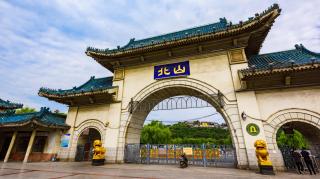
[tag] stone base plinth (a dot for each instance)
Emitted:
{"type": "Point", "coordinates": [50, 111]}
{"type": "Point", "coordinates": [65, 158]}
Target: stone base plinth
{"type": "Point", "coordinates": [266, 169]}
{"type": "Point", "coordinates": [97, 162]}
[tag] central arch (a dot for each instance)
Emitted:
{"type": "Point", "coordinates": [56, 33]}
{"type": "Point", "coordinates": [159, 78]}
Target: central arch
{"type": "Point", "coordinates": [133, 119]}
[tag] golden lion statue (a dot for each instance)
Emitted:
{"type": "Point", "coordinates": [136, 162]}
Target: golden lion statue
{"type": "Point", "coordinates": [262, 153]}
{"type": "Point", "coordinates": [98, 153]}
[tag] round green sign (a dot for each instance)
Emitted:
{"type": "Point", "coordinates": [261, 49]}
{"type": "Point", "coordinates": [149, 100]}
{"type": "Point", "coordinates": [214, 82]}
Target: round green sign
{"type": "Point", "coordinates": [253, 129]}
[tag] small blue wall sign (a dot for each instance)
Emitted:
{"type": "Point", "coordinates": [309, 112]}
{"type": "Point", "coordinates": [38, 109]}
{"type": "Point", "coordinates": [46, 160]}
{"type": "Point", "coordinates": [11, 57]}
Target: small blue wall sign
{"type": "Point", "coordinates": [65, 141]}
{"type": "Point", "coordinates": [172, 70]}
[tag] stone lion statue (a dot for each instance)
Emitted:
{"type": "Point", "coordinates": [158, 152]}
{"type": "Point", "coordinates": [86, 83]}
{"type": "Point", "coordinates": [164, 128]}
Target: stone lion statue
{"type": "Point", "coordinates": [262, 153]}
{"type": "Point", "coordinates": [98, 153]}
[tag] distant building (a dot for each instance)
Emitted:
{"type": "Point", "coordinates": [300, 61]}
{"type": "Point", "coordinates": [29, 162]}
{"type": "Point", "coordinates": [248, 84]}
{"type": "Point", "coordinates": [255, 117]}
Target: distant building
{"type": "Point", "coordinates": [207, 124]}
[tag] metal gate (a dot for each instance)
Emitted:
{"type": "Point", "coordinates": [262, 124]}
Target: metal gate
{"type": "Point", "coordinates": [290, 163]}
{"type": "Point", "coordinates": [287, 158]}
{"type": "Point", "coordinates": [200, 155]}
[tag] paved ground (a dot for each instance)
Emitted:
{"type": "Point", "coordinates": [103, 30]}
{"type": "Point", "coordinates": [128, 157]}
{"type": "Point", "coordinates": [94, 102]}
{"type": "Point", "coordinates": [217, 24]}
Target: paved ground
{"type": "Point", "coordinates": [75, 170]}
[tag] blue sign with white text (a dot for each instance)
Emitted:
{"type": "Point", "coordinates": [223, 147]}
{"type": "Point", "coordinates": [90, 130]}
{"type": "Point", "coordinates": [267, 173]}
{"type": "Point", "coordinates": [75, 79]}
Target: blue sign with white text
{"type": "Point", "coordinates": [172, 70]}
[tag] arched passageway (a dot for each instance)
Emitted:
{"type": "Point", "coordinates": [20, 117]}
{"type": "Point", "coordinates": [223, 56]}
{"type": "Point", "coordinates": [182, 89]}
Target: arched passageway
{"type": "Point", "coordinates": [297, 135]}
{"type": "Point", "coordinates": [84, 145]}
{"type": "Point", "coordinates": [150, 98]}
{"type": "Point", "coordinates": [304, 121]}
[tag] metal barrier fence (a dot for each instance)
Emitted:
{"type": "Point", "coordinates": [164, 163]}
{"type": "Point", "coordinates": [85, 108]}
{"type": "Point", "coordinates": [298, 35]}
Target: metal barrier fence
{"type": "Point", "coordinates": [201, 155]}
{"type": "Point", "coordinates": [290, 163]}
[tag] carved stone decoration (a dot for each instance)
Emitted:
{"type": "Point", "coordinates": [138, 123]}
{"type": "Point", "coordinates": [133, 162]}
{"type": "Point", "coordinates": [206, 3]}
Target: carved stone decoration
{"type": "Point", "coordinates": [118, 74]}
{"type": "Point", "coordinates": [236, 56]}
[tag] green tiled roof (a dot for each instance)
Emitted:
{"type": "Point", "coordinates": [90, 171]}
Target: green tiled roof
{"type": "Point", "coordinates": [9, 105]}
{"type": "Point", "coordinates": [43, 118]}
{"type": "Point", "coordinates": [94, 84]}
{"type": "Point", "coordinates": [298, 56]}
{"type": "Point", "coordinates": [221, 26]}
{"type": "Point", "coordinates": [201, 30]}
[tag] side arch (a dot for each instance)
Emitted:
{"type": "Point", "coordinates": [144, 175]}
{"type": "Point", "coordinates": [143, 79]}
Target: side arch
{"type": "Point", "coordinates": [303, 120]}
{"type": "Point", "coordinates": [89, 123]}
{"type": "Point", "coordinates": [277, 119]}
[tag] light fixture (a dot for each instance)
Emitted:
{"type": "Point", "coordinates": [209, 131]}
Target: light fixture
{"type": "Point", "coordinates": [243, 116]}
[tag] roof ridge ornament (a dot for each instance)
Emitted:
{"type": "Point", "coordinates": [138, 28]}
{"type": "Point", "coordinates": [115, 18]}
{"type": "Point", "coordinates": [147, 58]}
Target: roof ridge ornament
{"type": "Point", "coordinates": [223, 20]}
{"type": "Point", "coordinates": [154, 43]}
{"type": "Point", "coordinates": [44, 109]}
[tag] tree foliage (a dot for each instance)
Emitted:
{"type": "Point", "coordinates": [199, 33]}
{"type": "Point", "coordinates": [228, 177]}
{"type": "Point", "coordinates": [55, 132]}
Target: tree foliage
{"type": "Point", "coordinates": [155, 133]}
{"type": "Point", "coordinates": [295, 140]}
{"type": "Point", "coordinates": [25, 110]}
{"type": "Point", "coordinates": [183, 133]}
{"type": "Point", "coordinates": [183, 130]}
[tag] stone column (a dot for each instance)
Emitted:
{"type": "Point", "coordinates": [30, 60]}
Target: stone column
{"type": "Point", "coordinates": [13, 139]}
{"type": "Point", "coordinates": [33, 135]}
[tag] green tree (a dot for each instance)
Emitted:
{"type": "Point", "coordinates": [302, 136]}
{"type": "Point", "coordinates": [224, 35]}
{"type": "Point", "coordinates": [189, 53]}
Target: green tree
{"type": "Point", "coordinates": [25, 110]}
{"type": "Point", "coordinates": [183, 133]}
{"type": "Point", "coordinates": [295, 140]}
{"type": "Point", "coordinates": [184, 130]}
{"type": "Point", "coordinates": [155, 133]}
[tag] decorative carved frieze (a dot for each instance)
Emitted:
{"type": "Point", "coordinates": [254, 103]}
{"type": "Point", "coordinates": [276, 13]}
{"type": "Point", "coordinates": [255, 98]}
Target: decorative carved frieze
{"type": "Point", "coordinates": [236, 56]}
{"type": "Point", "coordinates": [118, 74]}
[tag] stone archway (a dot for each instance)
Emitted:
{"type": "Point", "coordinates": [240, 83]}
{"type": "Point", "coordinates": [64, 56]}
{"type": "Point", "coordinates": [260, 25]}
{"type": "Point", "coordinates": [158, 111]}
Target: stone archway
{"type": "Point", "coordinates": [90, 123]}
{"type": "Point", "coordinates": [84, 144]}
{"type": "Point", "coordinates": [307, 122]}
{"type": "Point", "coordinates": [132, 120]}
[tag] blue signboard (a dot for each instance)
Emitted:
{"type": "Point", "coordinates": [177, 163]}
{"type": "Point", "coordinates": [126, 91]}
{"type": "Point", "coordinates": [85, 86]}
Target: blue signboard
{"type": "Point", "coordinates": [65, 140]}
{"type": "Point", "coordinates": [172, 70]}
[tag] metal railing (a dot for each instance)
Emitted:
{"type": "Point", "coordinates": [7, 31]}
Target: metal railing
{"type": "Point", "coordinates": [200, 155]}
{"type": "Point", "coordinates": [289, 161]}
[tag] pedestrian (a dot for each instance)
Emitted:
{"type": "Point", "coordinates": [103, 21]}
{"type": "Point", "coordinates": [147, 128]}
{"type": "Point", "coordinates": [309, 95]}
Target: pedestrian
{"type": "Point", "coordinates": [306, 155]}
{"type": "Point", "coordinates": [297, 157]}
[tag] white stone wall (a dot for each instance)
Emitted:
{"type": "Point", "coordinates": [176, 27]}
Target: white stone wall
{"type": "Point", "coordinates": [209, 74]}
{"type": "Point", "coordinates": [53, 142]}
{"type": "Point", "coordinates": [104, 118]}
{"type": "Point", "coordinates": [270, 109]}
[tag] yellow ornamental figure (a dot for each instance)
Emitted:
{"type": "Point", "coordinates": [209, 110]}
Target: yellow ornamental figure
{"type": "Point", "coordinates": [98, 153]}
{"type": "Point", "coordinates": [262, 155]}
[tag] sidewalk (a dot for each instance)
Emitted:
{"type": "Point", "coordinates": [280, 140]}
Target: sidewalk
{"type": "Point", "coordinates": [75, 170]}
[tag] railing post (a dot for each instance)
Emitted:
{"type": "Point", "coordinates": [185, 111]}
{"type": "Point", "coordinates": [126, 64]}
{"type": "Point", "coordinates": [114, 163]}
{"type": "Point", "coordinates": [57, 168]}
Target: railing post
{"type": "Point", "coordinates": [193, 154]}
{"type": "Point", "coordinates": [158, 152]}
{"type": "Point", "coordinates": [174, 153]}
{"type": "Point", "coordinates": [167, 153]}
{"type": "Point", "coordinates": [204, 155]}
{"type": "Point", "coordinates": [148, 153]}
{"type": "Point", "coordinates": [215, 158]}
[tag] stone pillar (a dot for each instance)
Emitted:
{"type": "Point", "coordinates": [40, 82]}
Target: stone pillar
{"type": "Point", "coordinates": [247, 103]}
{"type": "Point", "coordinates": [33, 135]}
{"type": "Point", "coordinates": [14, 136]}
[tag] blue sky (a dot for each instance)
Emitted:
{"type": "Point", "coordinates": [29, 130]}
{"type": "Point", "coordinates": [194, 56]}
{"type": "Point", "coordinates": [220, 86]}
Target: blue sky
{"type": "Point", "coordinates": [43, 42]}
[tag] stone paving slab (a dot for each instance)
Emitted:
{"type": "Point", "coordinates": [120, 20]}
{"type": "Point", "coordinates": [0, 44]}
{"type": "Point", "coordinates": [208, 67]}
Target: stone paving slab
{"type": "Point", "coordinates": [31, 174]}
{"type": "Point", "coordinates": [79, 170]}
{"type": "Point", "coordinates": [4, 172]}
